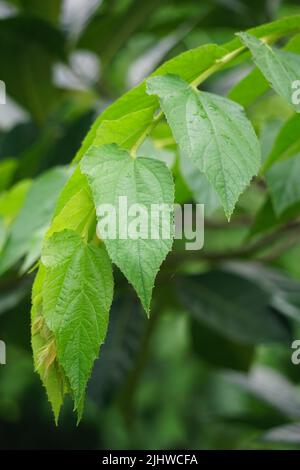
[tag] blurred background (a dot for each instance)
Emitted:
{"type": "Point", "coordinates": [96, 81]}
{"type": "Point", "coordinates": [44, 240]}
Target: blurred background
{"type": "Point", "coordinates": [178, 381]}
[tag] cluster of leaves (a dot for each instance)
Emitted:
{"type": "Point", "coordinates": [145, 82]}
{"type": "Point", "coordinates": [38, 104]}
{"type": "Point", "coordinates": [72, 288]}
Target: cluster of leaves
{"type": "Point", "coordinates": [73, 289]}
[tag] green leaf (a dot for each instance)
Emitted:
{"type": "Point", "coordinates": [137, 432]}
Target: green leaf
{"type": "Point", "coordinates": [112, 174]}
{"type": "Point", "coordinates": [255, 84]}
{"type": "Point", "coordinates": [189, 65]}
{"type": "Point", "coordinates": [2, 233]}
{"type": "Point", "coordinates": [124, 131]}
{"type": "Point", "coordinates": [275, 30]}
{"type": "Point", "coordinates": [213, 132]}
{"type": "Point", "coordinates": [78, 212]}
{"type": "Point", "coordinates": [249, 88]}
{"type": "Point", "coordinates": [34, 217]}
{"type": "Point", "coordinates": [280, 68]}
{"type": "Point", "coordinates": [232, 306]}
{"type": "Point", "coordinates": [287, 142]}
{"type": "Point", "coordinates": [7, 170]}
{"type": "Point", "coordinates": [283, 183]}
{"type": "Point", "coordinates": [11, 201]}
{"type": "Point", "coordinates": [77, 295]}
{"type": "Point", "coordinates": [75, 208]}
{"type": "Point", "coordinates": [75, 182]}
{"type": "Point", "coordinates": [266, 218]}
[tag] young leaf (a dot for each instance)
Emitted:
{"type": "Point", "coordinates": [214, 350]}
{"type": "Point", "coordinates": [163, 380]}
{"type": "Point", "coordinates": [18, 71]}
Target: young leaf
{"type": "Point", "coordinates": [113, 174]}
{"type": "Point", "coordinates": [75, 182]}
{"type": "Point", "coordinates": [283, 182]}
{"type": "Point", "coordinates": [213, 132]}
{"type": "Point", "coordinates": [78, 214]}
{"type": "Point", "coordinates": [75, 208]}
{"type": "Point", "coordinates": [77, 294]}
{"type": "Point", "coordinates": [280, 68]}
{"type": "Point", "coordinates": [126, 130]}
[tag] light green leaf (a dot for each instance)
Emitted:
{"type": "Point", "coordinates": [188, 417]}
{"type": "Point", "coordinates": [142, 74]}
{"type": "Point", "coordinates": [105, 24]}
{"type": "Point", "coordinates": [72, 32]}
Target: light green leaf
{"type": "Point", "coordinates": [75, 208]}
{"type": "Point", "coordinates": [276, 29]}
{"type": "Point", "coordinates": [255, 84]}
{"type": "Point", "coordinates": [75, 182]}
{"type": "Point", "coordinates": [11, 201]}
{"type": "Point", "coordinates": [112, 174]}
{"type": "Point", "coordinates": [77, 294]}
{"type": "Point", "coordinates": [7, 170]}
{"type": "Point", "coordinates": [34, 216]}
{"type": "Point", "coordinates": [189, 65]}
{"type": "Point", "coordinates": [2, 233]}
{"type": "Point", "coordinates": [283, 182]}
{"type": "Point", "coordinates": [213, 132]}
{"type": "Point", "coordinates": [124, 131]}
{"type": "Point", "coordinates": [78, 214]}
{"type": "Point", "coordinates": [280, 68]}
